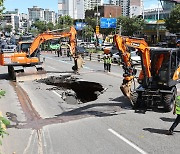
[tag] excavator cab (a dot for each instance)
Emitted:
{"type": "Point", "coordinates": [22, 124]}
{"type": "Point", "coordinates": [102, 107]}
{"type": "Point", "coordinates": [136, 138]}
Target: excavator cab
{"type": "Point", "coordinates": [160, 90]}
{"type": "Point", "coordinates": [164, 63]}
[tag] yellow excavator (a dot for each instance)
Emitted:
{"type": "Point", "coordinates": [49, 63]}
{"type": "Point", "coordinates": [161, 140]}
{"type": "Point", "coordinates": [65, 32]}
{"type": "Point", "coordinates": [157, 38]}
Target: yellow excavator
{"type": "Point", "coordinates": [26, 60]}
{"type": "Point", "coordinates": [159, 75]}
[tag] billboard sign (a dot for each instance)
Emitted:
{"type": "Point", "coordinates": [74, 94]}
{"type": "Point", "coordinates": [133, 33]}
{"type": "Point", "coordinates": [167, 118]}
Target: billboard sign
{"type": "Point", "coordinates": [108, 22]}
{"type": "Point", "coordinates": [80, 25]}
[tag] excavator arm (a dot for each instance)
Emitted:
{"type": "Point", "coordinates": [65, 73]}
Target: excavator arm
{"type": "Point", "coordinates": [54, 35]}
{"type": "Point", "coordinates": [122, 44]}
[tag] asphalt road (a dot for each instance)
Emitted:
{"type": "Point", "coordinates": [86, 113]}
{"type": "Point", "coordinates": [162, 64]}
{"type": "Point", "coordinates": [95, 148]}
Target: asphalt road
{"type": "Point", "coordinates": [47, 124]}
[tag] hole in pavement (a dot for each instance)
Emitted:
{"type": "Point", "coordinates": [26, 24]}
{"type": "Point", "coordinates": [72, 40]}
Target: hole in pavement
{"type": "Point", "coordinates": [74, 90]}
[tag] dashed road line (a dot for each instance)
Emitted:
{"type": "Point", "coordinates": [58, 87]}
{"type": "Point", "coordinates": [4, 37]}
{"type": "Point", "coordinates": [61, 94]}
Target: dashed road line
{"type": "Point", "coordinates": [127, 141]}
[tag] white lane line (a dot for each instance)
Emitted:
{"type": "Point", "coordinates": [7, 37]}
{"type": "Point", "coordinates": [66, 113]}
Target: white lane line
{"type": "Point", "coordinates": [127, 141]}
{"type": "Point", "coordinates": [29, 142]}
{"type": "Point", "coordinates": [51, 67]}
{"type": "Point", "coordinates": [68, 63]}
{"type": "Point", "coordinates": [57, 94]}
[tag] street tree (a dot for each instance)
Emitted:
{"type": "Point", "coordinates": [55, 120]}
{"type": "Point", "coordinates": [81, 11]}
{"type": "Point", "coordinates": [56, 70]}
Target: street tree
{"type": "Point", "coordinates": [8, 28]}
{"type": "Point", "coordinates": [130, 26]}
{"type": "Point", "coordinates": [88, 32]}
{"type": "Point", "coordinates": [40, 25]}
{"type": "Point", "coordinates": [64, 21]}
{"type": "Point", "coordinates": [1, 7]}
{"type": "Point", "coordinates": [173, 22]}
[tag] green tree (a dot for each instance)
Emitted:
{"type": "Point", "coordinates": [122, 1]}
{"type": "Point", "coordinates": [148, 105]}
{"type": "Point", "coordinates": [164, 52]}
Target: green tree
{"type": "Point", "coordinates": [64, 21]}
{"type": "Point", "coordinates": [130, 26]}
{"type": "Point", "coordinates": [173, 22]}
{"type": "Point", "coordinates": [1, 6]}
{"type": "Point", "coordinates": [88, 32]}
{"type": "Point", "coordinates": [8, 28]}
{"type": "Point", "coordinates": [40, 25]}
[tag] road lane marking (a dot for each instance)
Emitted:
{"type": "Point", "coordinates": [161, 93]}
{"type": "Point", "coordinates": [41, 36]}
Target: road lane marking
{"type": "Point", "coordinates": [57, 94]}
{"type": "Point", "coordinates": [29, 142]}
{"type": "Point", "coordinates": [127, 141]}
{"type": "Point", "coordinates": [51, 67]}
{"type": "Point", "coordinates": [68, 63]}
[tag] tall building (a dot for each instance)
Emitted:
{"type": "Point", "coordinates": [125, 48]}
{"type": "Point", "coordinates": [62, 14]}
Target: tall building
{"type": "Point", "coordinates": [114, 2]}
{"type": "Point", "coordinates": [73, 8]}
{"type": "Point", "coordinates": [125, 4]}
{"type": "Point", "coordinates": [135, 8]}
{"type": "Point", "coordinates": [11, 18]}
{"type": "Point", "coordinates": [36, 13]}
{"type": "Point", "coordinates": [90, 4]}
{"type": "Point", "coordinates": [49, 16]}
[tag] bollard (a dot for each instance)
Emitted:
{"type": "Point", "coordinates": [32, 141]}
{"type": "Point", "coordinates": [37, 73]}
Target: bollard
{"type": "Point", "coordinates": [82, 56]}
{"type": "Point", "coordinates": [99, 58]}
{"type": "Point", "coordinates": [90, 56]}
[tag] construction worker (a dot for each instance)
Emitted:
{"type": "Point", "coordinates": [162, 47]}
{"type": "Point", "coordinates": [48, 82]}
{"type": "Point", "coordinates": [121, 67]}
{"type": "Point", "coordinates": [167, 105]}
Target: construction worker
{"type": "Point", "coordinates": [176, 111]}
{"type": "Point", "coordinates": [109, 61]}
{"type": "Point", "coordinates": [105, 62]}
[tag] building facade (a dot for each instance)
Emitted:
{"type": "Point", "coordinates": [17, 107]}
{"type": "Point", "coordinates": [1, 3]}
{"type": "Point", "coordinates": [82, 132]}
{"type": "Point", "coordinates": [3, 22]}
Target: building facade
{"type": "Point", "coordinates": [73, 8]}
{"type": "Point", "coordinates": [125, 4]}
{"type": "Point", "coordinates": [11, 18]}
{"type": "Point", "coordinates": [135, 8]}
{"type": "Point", "coordinates": [36, 13]}
{"type": "Point", "coordinates": [49, 16]}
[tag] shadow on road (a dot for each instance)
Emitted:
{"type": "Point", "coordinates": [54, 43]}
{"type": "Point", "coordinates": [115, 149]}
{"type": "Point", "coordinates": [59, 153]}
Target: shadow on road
{"type": "Point", "coordinates": [156, 131]}
{"type": "Point", "coordinates": [99, 110]}
{"type": "Point", "coordinates": [167, 119]}
{"type": "Point", "coordinates": [4, 76]}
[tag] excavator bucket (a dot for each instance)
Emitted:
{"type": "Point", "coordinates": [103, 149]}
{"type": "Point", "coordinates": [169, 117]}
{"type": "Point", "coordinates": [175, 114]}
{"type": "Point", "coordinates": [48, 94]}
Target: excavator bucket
{"type": "Point", "coordinates": [126, 89]}
{"type": "Point", "coordinates": [80, 62]}
{"type": "Point", "coordinates": [20, 74]}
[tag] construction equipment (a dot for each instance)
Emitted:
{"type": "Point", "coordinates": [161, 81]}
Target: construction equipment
{"type": "Point", "coordinates": [158, 76]}
{"type": "Point", "coordinates": [27, 60]}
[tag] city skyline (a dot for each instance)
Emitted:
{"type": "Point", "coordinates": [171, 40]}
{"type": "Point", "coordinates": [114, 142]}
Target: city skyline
{"type": "Point", "coordinates": [53, 5]}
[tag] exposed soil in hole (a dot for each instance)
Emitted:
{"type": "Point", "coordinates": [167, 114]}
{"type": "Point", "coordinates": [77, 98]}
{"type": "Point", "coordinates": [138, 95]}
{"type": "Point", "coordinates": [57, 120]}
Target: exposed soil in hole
{"type": "Point", "coordinates": [74, 90]}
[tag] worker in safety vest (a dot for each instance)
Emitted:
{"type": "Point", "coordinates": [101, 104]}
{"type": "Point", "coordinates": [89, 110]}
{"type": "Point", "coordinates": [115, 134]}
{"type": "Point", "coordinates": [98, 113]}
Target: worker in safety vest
{"type": "Point", "coordinates": [176, 111]}
{"type": "Point", "coordinates": [105, 62]}
{"type": "Point", "coordinates": [109, 61]}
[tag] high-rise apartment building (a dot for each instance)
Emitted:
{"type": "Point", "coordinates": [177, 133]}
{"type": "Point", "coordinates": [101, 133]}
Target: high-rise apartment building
{"type": "Point", "coordinates": [135, 8]}
{"type": "Point", "coordinates": [90, 4]}
{"type": "Point", "coordinates": [36, 13]}
{"type": "Point", "coordinates": [125, 4]}
{"type": "Point", "coordinates": [114, 2]}
{"type": "Point", "coordinates": [73, 8]}
{"type": "Point", "coordinates": [49, 16]}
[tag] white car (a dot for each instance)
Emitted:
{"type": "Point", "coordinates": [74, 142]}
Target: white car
{"type": "Point", "coordinates": [9, 48]}
{"type": "Point", "coordinates": [116, 57]}
{"type": "Point", "coordinates": [135, 58]}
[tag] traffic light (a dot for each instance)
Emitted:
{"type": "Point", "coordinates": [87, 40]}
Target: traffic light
{"type": "Point", "coordinates": [97, 29]}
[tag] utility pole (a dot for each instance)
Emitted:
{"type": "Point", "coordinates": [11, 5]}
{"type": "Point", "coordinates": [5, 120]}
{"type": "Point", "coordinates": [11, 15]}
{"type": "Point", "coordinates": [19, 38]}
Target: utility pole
{"type": "Point", "coordinates": [97, 26]}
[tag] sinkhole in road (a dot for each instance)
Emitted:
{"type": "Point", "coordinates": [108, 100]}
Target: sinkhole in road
{"type": "Point", "coordinates": [74, 90]}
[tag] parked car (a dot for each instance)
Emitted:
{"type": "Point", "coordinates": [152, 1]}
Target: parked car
{"type": "Point", "coordinates": [82, 51]}
{"type": "Point", "coordinates": [9, 48]}
{"type": "Point", "coordinates": [135, 58]}
{"type": "Point", "coordinates": [162, 44]}
{"type": "Point", "coordinates": [116, 57]}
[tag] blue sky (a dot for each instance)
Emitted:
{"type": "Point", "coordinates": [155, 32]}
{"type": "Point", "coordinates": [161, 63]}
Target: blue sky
{"type": "Point", "coordinates": [23, 5]}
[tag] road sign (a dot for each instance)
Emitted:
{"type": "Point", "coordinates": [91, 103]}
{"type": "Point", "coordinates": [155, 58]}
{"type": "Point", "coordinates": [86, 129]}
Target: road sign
{"type": "Point", "coordinates": [97, 29]}
{"type": "Point", "coordinates": [108, 22]}
{"type": "Point", "coordinates": [80, 25]}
